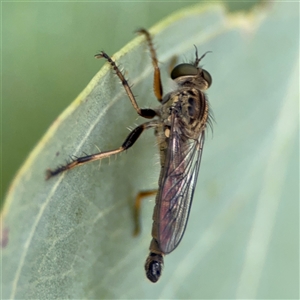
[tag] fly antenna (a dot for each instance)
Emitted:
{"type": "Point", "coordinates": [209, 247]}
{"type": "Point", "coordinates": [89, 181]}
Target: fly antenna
{"type": "Point", "coordinates": [197, 60]}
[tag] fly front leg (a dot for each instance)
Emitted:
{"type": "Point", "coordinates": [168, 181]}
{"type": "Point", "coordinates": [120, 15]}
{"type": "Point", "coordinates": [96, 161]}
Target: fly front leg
{"type": "Point", "coordinates": [157, 85]}
{"type": "Point", "coordinates": [147, 113]}
{"type": "Point", "coordinates": [129, 141]}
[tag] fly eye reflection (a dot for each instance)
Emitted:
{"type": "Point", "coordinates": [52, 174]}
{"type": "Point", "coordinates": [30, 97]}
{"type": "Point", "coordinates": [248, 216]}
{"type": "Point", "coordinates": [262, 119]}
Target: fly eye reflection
{"type": "Point", "coordinates": [184, 70]}
{"type": "Point", "coordinates": [190, 70]}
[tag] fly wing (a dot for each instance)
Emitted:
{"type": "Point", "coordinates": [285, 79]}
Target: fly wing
{"type": "Point", "coordinates": [177, 186]}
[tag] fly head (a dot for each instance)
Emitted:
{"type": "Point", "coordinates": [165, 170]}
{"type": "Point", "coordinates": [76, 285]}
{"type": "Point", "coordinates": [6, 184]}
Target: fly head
{"type": "Point", "coordinates": [191, 75]}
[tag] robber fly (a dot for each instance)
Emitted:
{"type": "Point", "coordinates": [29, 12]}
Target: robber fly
{"type": "Point", "coordinates": [179, 126]}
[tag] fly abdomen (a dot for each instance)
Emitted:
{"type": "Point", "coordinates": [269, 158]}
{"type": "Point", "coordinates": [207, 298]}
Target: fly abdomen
{"type": "Point", "coordinates": [153, 266]}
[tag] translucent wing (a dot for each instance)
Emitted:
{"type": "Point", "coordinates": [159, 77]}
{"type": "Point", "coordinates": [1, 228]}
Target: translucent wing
{"type": "Point", "coordinates": [177, 186]}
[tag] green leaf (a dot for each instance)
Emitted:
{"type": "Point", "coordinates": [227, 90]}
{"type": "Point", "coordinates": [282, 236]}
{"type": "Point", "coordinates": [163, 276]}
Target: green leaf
{"type": "Point", "coordinates": [71, 236]}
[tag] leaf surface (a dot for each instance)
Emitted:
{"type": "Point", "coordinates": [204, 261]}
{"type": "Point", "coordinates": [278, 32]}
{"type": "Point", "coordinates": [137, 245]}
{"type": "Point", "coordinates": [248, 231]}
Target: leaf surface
{"type": "Point", "coordinates": [71, 236]}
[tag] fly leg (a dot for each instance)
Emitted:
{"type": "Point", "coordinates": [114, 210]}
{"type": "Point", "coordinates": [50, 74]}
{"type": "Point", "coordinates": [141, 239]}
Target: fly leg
{"type": "Point", "coordinates": [157, 85]}
{"type": "Point", "coordinates": [147, 113]}
{"type": "Point", "coordinates": [129, 141]}
{"type": "Point", "coordinates": [137, 209]}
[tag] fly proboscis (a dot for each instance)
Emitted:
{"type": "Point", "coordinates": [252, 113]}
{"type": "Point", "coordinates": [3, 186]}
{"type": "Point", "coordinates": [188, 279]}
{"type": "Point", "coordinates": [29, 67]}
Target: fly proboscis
{"type": "Point", "coordinates": [179, 122]}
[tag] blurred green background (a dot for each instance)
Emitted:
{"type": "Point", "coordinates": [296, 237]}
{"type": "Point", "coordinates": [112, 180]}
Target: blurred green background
{"type": "Point", "coordinates": [47, 60]}
{"type": "Point", "coordinates": [245, 242]}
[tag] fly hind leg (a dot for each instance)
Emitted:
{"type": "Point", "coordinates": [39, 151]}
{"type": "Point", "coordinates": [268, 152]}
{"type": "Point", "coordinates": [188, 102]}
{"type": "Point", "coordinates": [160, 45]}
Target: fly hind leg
{"type": "Point", "coordinates": [137, 209]}
{"type": "Point", "coordinates": [129, 141]}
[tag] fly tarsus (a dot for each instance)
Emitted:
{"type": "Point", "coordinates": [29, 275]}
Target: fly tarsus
{"type": "Point", "coordinates": [74, 162]}
{"type": "Point", "coordinates": [50, 173]}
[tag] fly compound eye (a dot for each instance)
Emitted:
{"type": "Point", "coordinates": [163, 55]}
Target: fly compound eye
{"type": "Point", "coordinates": [207, 77]}
{"type": "Point", "coordinates": [184, 70]}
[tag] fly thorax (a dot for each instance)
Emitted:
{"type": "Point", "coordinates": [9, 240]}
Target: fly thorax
{"type": "Point", "coordinates": [194, 108]}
